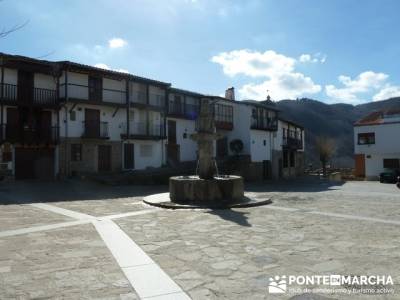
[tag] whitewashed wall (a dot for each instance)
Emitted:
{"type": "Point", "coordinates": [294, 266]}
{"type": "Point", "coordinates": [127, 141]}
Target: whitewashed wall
{"type": "Point", "coordinates": [241, 127]}
{"type": "Point", "coordinates": [188, 147]}
{"type": "Point", "coordinates": [114, 90]}
{"type": "Point", "coordinates": [78, 92]}
{"type": "Point", "coordinates": [258, 150]}
{"type": "Point", "coordinates": [387, 146]}
{"type": "Point", "coordinates": [386, 139]}
{"type": "Point", "coordinates": [44, 81]}
{"type": "Point", "coordinates": [75, 128]}
{"type": "Point", "coordinates": [156, 158]}
{"type": "Point", "coordinates": [10, 76]}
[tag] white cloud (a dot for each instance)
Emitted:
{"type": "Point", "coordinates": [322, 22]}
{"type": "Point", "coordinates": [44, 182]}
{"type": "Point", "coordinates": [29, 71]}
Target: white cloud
{"type": "Point", "coordinates": [102, 66]}
{"type": "Point", "coordinates": [389, 91]}
{"type": "Point", "coordinates": [364, 83]}
{"type": "Point", "coordinates": [106, 67]}
{"type": "Point", "coordinates": [117, 43]}
{"type": "Point", "coordinates": [315, 58]}
{"type": "Point", "coordinates": [278, 70]}
{"type": "Point", "coordinates": [122, 70]}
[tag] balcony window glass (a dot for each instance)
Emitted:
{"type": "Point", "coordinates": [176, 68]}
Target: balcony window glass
{"type": "Point", "coordinates": [366, 138]}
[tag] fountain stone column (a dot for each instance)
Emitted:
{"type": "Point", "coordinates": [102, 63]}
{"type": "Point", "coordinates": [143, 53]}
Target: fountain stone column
{"type": "Point", "coordinates": [206, 188]}
{"type": "Point", "coordinates": [205, 137]}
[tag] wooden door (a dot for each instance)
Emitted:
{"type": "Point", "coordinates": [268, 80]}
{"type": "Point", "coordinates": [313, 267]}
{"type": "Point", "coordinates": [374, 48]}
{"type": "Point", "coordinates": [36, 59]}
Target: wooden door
{"type": "Point", "coordinates": [171, 132]}
{"type": "Point", "coordinates": [24, 163]}
{"type": "Point", "coordinates": [44, 164]}
{"type": "Point", "coordinates": [359, 169]}
{"type": "Point", "coordinates": [129, 156]}
{"type": "Point", "coordinates": [92, 123]}
{"type": "Point", "coordinates": [25, 87]}
{"type": "Point", "coordinates": [12, 127]}
{"type": "Point", "coordinates": [173, 154]}
{"type": "Point", "coordinates": [104, 158]}
{"type": "Point", "coordinates": [222, 147]}
{"type": "Point", "coordinates": [95, 89]}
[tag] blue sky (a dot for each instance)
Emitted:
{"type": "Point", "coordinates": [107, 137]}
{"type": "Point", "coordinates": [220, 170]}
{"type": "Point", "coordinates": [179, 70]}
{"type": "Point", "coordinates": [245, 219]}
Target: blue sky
{"type": "Point", "coordinates": [333, 50]}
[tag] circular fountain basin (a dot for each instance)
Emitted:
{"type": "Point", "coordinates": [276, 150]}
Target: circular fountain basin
{"type": "Point", "coordinates": [220, 190]}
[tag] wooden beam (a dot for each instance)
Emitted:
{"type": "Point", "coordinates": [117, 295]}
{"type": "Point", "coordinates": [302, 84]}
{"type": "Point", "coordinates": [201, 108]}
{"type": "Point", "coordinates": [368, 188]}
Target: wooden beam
{"type": "Point", "coordinates": [115, 112]}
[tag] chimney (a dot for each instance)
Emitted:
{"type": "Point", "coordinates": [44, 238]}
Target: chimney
{"type": "Point", "coordinates": [230, 94]}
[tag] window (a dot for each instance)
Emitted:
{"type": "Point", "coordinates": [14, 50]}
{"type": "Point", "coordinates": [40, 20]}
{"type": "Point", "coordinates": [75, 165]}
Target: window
{"type": "Point", "coordinates": [391, 163]}
{"type": "Point", "coordinates": [146, 150]}
{"type": "Point", "coordinates": [367, 138]}
{"type": "Point", "coordinates": [265, 142]}
{"type": "Point", "coordinates": [76, 152]}
{"type": "Point", "coordinates": [72, 115]}
{"type": "Point", "coordinates": [223, 113]}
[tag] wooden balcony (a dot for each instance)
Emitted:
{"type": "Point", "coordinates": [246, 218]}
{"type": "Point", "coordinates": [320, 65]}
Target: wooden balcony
{"type": "Point", "coordinates": [95, 130]}
{"type": "Point", "coordinates": [143, 131]}
{"type": "Point", "coordinates": [182, 110]}
{"type": "Point", "coordinates": [12, 95]}
{"type": "Point", "coordinates": [292, 140]}
{"type": "Point", "coordinates": [29, 135]}
{"type": "Point", "coordinates": [267, 124]}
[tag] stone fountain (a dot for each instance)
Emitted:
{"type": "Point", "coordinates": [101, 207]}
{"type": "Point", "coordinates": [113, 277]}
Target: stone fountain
{"type": "Point", "coordinates": [207, 187]}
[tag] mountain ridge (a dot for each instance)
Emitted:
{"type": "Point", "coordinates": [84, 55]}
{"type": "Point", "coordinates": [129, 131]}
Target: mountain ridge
{"type": "Point", "coordinates": [331, 120]}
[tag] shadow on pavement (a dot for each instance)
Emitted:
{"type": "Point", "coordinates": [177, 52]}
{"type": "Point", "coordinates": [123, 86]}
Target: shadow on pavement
{"type": "Point", "coordinates": [234, 216]}
{"type": "Point", "coordinates": [24, 192]}
{"type": "Point", "coordinates": [306, 184]}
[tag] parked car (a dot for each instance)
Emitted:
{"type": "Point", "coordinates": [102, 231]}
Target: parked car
{"type": "Point", "coordinates": [389, 176]}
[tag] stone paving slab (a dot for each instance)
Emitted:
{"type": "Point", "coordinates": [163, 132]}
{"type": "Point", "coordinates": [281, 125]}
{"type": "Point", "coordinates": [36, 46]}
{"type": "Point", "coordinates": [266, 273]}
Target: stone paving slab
{"type": "Point", "coordinates": [104, 207]}
{"type": "Point", "coordinates": [231, 254]}
{"type": "Point", "coordinates": [14, 216]}
{"type": "Point", "coordinates": [369, 199]}
{"type": "Point", "coordinates": [67, 263]}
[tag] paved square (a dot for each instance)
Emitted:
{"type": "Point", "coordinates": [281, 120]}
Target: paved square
{"type": "Point", "coordinates": [72, 248]}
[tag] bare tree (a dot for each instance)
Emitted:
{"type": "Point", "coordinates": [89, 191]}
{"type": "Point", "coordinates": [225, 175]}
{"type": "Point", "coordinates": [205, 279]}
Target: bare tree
{"type": "Point", "coordinates": [6, 31]}
{"type": "Point", "coordinates": [325, 147]}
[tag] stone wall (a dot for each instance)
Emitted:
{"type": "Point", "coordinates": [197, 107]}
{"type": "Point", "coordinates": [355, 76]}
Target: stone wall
{"type": "Point", "coordinates": [89, 161]}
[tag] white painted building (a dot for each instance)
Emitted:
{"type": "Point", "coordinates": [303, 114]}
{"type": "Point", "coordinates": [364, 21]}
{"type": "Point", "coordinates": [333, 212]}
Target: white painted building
{"type": "Point", "coordinates": [78, 119]}
{"type": "Point", "coordinates": [377, 143]}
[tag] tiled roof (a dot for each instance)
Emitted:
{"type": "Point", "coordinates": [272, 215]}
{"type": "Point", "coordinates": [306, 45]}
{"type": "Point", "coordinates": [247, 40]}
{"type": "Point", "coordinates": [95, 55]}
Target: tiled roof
{"type": "Point", "coordinates": [82, 67]}
{"type": "Point", "coordinates": [377, 117]}
{"type": "Point", "coordinates": [181, 91]}
{"type": "Point", "coordinates": [260, 104]}
{"type": "Point", "coordinates": [290, 122]}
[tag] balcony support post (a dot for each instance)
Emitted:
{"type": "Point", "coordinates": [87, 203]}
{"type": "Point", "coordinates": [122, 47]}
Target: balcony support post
{"type": "Point", "coordinates": [66, 152]}
{"type": "Point", "coordinates": [115, 112]}
{"type": "Point", "coordinates": [2, 96]}
{"type": "Point", "coordinates": [58, 109]}
{"type": "Point", "coordinates": [128, 108]}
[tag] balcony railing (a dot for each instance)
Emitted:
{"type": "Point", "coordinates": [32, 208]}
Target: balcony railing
{"type": "Point", "coordinates": [138, 97]}
{"type": "Point", "coordinates": [81, 92]}
{"type": "Point", "coordinates": [114, 96]}
{"type": "Point", "coordinates": [292, 139]}
{"type": "Point", "coordinates": [38, 97]}
{"type": "Point", "coordinates": [143, 129]}
{"type": "Point", "coordinates": [264, 124]}
{"type": "Point", "coordinates": [156, 100]}
{"type": "Point", "coordinates": [9, 92]}
{"type": "Point", "coordinates": [95, 130]}
{"type": "Point", "coordinates": [29, 134]}
{"type": "Point", "coordinates": [180, 109]}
